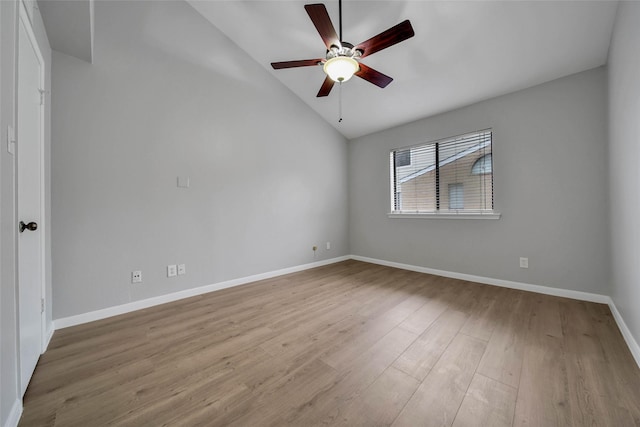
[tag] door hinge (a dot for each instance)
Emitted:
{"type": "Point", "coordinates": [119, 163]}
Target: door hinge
{"type": "Point", "coordinates": [11, 140]}
{"type": "Point", "coordinates": [41, 305]}
{"type": "Point", "coordinates": [42, 95]}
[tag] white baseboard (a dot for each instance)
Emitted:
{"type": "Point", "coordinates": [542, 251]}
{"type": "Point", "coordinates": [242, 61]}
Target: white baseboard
{"type": "Point", "coordinates": [50, 331]}
{"type": "Point", "coordinates": [162, 299]}
{"type": "Point", "coordinates": [566, 293]}
{"type": "Point", "coordinates": [626, 333]}
{"type": "Point", "coordinates": [14, 415]}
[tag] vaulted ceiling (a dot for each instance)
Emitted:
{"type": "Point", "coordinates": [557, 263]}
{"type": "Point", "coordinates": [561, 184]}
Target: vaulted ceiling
{"type": "Point", "coordinates": [462, 52]}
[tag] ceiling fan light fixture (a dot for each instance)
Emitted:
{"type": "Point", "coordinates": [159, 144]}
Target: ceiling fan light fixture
{"type": "Point", "coordinates": [342, 59]}
{"type": "Point", "coordinates": [341, 68]}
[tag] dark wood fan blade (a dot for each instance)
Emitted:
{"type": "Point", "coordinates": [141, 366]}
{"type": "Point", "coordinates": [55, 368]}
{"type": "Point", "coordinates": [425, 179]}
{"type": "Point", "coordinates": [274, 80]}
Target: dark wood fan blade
{"type": "Point", "coordinates": [387, 38]}
{"type": "Point", "coordinates": [320, 18]}
{"type": "Point", "coordinates": [326, 87]}
{"type": "Point", "coordinates": [292, 64]}
{"type": "Point", "coordinates": [373, 76]}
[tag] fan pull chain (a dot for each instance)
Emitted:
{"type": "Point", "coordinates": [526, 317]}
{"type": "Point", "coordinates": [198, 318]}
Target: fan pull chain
{"type": "Point", "coordinates": [340, 103]}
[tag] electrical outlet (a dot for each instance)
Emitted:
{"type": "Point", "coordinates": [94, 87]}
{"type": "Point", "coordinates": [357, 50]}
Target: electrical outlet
{"type": "Point", "coordinates": [524, 262]}
{"type": "Point", "coordinates": [182, 269]}
{"type": "Point", "coordinates": [328, 245]}
{"type": "Point", "coordinates": [136, 276]}
{"type": "Point", "coordinates": [172, 270]}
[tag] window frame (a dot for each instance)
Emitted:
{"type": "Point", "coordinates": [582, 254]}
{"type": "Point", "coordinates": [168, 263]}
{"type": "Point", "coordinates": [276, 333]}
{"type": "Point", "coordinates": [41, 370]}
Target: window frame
{"type": "Point", "coordinates": [438, 214]}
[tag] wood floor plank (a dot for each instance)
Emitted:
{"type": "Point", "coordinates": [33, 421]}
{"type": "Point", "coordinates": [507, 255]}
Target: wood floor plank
{"type": "Point", "coordinates": [381, 403]}
{"type": "Point", "coordinates": [619, 362]}
{"type": "Point", "coordinates": [487, 403]}
{"type": "Point", "coordinates": [421, 319]}
{"type": "Point", "coordinates": [543, 396]}
{"type": "Point", "coordinates": [385, 398]}
{"type": "Point", "coordinates": [580, 333]}
{"type": "Point", "coordinates": [437, 400]}
{"type": "Point", "coordinates": [149, 394]}
{"type": "Point", "coordinates": [289, 394]}
{"type": "Point", "coordinates": [423, 354]}
{"type": "Point", "coordinates": [361, 372]}
{"type": "Point", "coordinates": [389, 294]}
{"type": "Point", "coordinates": [344, 344]}
{"type": "Point", "coordinates": [45, 403]}
{"type": "Point", "coordinates": [341, 356]}
{"type": "Point", "coordinates": [505, 350]}
{"type": "Point", "coordinates": [483, 317]}
{"type": "Point", "coordinates": [589, 369]}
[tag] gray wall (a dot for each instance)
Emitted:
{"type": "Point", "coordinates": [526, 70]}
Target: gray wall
{"type": "Point", "coordinates": [550, 179]}
{"type": "Point", "coordinates": [9, 394]}
{"type": "Point", "coordinates": [624, 160]}
{"type": "Point", "coordinates": [167, 95]}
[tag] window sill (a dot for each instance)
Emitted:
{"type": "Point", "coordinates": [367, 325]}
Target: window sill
{"type": "Point", "coordinates": [466, 215]}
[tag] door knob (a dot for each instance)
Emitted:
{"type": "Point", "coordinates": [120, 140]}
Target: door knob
{"type": "Point", "coordinates": [32, 226]}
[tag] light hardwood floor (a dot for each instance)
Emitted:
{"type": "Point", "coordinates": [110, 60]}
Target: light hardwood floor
{"type": "Point", "coordinates": [346, 344]}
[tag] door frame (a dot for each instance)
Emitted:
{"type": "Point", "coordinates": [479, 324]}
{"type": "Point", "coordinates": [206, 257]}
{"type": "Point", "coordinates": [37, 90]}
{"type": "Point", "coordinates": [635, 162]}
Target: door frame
{"type": "Point", "coordinates": [25, 21]}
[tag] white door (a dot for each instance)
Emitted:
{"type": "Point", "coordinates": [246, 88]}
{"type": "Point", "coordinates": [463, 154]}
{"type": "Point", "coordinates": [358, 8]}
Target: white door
{"type": "Point", "coordinates": [29, 149]}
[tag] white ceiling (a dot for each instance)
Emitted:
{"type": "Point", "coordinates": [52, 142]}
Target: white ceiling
{"type": "Point", "coordinates": [462, 52]}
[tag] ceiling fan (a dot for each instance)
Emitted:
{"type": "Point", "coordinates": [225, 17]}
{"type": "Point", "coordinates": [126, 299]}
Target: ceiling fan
{"type": "Point", "coordinates": [342, 59]}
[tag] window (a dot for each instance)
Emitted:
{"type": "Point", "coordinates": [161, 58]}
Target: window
{"type": "Point", "coordinates": [482, 165]}
{"type": "Point", "coordinates": [403, 158]}
{"type": "Point", "coordinates": [456, 196]}
{"type": "Point", "coordinates": [449, 176]}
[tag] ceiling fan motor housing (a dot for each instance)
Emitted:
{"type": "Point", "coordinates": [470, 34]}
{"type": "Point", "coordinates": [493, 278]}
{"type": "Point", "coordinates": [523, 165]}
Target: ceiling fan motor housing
{"type": "Point", "coordinates": [345, 50]}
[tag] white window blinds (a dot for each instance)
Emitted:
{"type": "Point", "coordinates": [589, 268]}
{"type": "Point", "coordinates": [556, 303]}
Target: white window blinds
{"type": "Point", "coordinates": [453, 175]}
